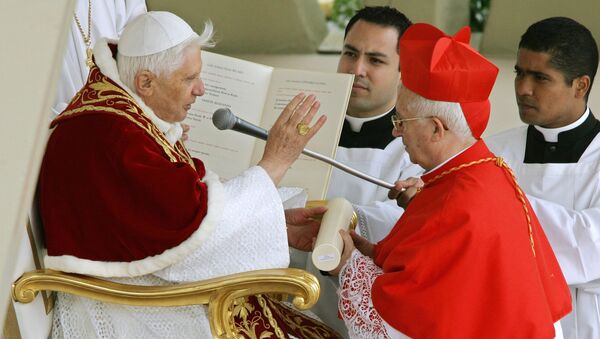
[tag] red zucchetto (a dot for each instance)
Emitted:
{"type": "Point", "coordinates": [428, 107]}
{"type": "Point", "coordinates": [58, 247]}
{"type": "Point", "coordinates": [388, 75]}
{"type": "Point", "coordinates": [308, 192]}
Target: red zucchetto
{"type": "Point", "coordinates": [444, 68]}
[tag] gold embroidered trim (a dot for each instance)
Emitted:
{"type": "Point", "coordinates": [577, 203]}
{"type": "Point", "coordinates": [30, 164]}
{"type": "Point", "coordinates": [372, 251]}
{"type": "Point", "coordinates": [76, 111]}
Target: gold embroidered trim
{"type": "Point", "coordinates": [300, 324]}
{"type": "Point", "coordinates": [502, 164]}
{"type": "Point", "coordinates": [267, 312]}
{"type": "Point", "coordinates": [96, 92]}
{"type": "Point", "coordinates": [251, 318]}
{"type": "Point", "coordinates": [273, 314]}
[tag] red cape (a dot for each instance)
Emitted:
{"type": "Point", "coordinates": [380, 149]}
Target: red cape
{"type": "Point", "coordinates": [111, 188]}
{"type": "Point", "coordinates": [459, 262]}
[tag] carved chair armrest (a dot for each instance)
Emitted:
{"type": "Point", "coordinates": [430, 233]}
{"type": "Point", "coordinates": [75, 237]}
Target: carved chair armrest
{"type": "Point", "coordinates": [219, 293]}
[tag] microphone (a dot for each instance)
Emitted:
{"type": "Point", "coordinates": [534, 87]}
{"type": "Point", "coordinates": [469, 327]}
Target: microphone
{"type": "Point", "coordinates": [224, 119]}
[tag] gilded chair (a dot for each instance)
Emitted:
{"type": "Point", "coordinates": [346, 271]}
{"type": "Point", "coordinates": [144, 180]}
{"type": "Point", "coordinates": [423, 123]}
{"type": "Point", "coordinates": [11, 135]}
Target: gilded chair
{"type": "Point", "coordinates": [219, 294]}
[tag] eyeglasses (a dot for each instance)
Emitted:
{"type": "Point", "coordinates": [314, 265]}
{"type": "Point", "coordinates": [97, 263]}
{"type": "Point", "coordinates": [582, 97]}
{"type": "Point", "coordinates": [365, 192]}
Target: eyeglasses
{"type": "Point", "coordinates": [397, 123]}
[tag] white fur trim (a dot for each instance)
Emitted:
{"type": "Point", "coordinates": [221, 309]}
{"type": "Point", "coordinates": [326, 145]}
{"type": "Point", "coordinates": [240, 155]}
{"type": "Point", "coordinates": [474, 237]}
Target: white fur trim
{"type": "Point", "coordinates": [68, 263]}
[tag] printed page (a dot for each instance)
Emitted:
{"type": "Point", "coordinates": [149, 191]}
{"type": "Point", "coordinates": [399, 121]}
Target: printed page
{"type": "Point", "coordinates": [333, 91]}
{"type": "Point", "coordinates": [230, 83]}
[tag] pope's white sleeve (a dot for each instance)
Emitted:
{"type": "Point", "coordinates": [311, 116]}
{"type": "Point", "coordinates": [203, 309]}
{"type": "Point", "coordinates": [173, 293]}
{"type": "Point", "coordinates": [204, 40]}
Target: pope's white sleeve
{"type": "Point", "coordinates": [250, 234]}
{"type": "Point", "coordinates": [574, 236]}
{"type": "Point", "coordinates": [356, 305]}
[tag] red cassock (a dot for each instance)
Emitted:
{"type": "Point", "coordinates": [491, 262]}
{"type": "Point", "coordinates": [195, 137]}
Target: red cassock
{"type": "Point", "coordinates": [460, 262]}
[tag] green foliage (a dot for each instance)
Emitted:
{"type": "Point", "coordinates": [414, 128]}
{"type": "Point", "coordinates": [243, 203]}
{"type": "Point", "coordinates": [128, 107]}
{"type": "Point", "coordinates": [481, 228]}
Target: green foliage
{"type": "Point", "coordinates": [343, 10]}
{"type": "Point", "coordinates": [479, 12]}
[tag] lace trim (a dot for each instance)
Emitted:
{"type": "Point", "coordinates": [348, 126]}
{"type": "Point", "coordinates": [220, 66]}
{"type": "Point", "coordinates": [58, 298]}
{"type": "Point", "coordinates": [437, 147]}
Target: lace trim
{"type": "Point", "coordinates": [356, 305]}
{"type": "Point", "coordinates": [362, 223]}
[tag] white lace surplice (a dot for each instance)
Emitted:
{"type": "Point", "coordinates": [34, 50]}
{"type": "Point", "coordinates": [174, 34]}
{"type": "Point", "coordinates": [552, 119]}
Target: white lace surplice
{"type": "Point", "coordinates": [252, 212]}
{"type": "Point", "coordinates": [356, 305]}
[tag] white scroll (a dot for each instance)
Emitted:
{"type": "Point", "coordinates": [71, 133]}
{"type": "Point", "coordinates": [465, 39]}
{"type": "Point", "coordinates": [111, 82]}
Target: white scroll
{"type": "Point", "coordinates": [329, 244]}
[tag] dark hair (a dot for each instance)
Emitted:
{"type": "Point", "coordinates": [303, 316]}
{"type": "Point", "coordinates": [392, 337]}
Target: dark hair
{"type": "Point", "coordinates": [381, 15]}
{"type": "Point", "coordinates": [572, 48]}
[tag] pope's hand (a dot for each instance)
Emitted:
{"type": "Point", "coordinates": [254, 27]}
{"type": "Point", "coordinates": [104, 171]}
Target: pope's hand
{"type": "Point", "coordinates": [290, 134]}
{"type": "Point", "coordinates": [303, 226]}
{"type": "Point", "coordinates": [405, 190]}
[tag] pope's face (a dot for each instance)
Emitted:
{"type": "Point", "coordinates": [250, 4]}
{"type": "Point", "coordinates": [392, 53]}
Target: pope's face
{"type": "Point", "coordinates": [370, 54]}
{"type": "Point", "coordinates": [543, 96]}
{"type": "Point", "coordinates": [175, 93]}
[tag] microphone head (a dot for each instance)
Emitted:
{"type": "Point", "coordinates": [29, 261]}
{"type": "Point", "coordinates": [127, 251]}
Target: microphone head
{"type": "Point", "coordinates": [223, 119]}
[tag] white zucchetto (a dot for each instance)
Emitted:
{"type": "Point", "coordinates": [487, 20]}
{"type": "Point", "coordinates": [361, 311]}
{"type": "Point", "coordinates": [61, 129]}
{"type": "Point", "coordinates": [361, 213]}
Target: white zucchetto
{"type": "Point", "coordinates": [153, 32]}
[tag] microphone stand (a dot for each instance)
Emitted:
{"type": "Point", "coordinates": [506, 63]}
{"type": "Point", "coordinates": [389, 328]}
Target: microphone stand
{"type": "Point", "coordinates": [347, 169]}
{"type": "Point", "coordinates": [224, 119]}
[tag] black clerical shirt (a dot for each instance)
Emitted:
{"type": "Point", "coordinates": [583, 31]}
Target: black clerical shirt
{"type": "Point", "coordinates": [373, 134]}
{"type": "Point", "coordinates": [569, 148]}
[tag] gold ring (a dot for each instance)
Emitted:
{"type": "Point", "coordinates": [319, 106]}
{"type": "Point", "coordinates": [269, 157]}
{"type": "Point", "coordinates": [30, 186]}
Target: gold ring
{"type": "Point", "coordinates": [302, 128]}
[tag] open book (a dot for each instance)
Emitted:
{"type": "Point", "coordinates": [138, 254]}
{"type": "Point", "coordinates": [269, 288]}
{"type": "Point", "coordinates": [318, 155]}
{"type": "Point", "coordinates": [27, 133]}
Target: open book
{"type": "Point", "coordinates": [257, 94]}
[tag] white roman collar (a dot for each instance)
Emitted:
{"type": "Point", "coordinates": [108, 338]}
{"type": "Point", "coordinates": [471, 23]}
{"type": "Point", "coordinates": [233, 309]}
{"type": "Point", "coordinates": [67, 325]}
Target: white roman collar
{"type": "Point", "coordinates": [445, 161]}
{"type": "Point", "coordinates": [551, 134]}
{"type": "Point", "coordinates": [108, 67]}
{"type": "Point", "coordinates": [356, 123]}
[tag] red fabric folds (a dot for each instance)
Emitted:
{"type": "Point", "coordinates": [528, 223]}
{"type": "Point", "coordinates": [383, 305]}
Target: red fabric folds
{"type": "Point", "coordinates": [459, 262]}
{"type": "Point", "coordinates": [111, 188]}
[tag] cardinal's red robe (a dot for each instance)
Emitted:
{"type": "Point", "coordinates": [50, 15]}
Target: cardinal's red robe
{"type": "Point", "coordinates": [468, 259]}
